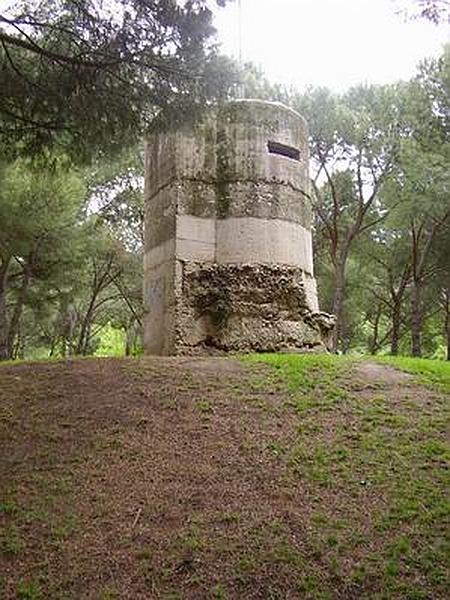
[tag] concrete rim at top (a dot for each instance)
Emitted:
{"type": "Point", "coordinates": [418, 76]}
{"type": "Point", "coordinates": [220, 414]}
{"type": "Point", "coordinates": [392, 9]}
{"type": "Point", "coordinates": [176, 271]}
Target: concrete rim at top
{"type": "Point", "coordinates": [273, 103]}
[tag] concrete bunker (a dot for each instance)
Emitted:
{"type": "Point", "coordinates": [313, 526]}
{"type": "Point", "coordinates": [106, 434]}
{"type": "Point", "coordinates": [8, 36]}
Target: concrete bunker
{"type": "Point", "coordinates": [228, 260]}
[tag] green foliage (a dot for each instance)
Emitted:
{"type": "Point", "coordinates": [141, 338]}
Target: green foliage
{"type": "Point", "coordinates": [112, 342]}
{"type": "Point", "coordinates": [253, 84]}
{"type": "Point", "coordinates": [380, 169]}
{"type": "Point", "coordinates": [39, 202]}
{"type": "Point", "coordinates": [67, 272]}
{"type": "Point", "coordinates": [71, 241]}
{"type": "Point", "coordinates": [89, 78]}
{"type": "Point", "coordinates": [40, 238]}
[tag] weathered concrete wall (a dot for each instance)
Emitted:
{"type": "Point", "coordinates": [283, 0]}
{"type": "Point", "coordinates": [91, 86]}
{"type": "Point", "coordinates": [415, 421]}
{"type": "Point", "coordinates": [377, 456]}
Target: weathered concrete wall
{"type": "Point", "coordinates": [228, 250]}
{"type": "Point", "coordinates": [245, 307]}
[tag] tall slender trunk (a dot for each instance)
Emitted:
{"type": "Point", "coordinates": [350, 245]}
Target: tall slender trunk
{"type": "Point", "coordinates": [18, 350]}
{"type": "Point", "coordinates": [447, 319]}
{"type": "Point", "coordinates": [448, 336]}
{"type": "Point", "coordinates": [4, 351]}
{"type": "Point", "coordinates": [338, 303]}
{"type": "Point", "coordinates": [83, 339]}
{"type": "Point", "coordinates": [416, 319]}
{"type": "Point", "coordinates": [100, 282]}
{"type": "Point", "coordinates": [422, 238]}
{"type": "Point", "coordinates": [129, 337]}
{"type": "Point", "coordinates": [17, 313]}
{"type": "Point", "coordinates": [376, 327]}
{"type": "Point", "coordinates": [395, 334]}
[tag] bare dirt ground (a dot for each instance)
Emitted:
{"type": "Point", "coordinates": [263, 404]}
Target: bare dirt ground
{"type": "Point", "coordinates": [171, 478]}
{"type": "Point", "coordinates": [381, 374]}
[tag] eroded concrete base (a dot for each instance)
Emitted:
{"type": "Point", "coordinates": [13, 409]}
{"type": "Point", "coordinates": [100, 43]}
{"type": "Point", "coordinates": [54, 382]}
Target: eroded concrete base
{"type": "Point", "coordinates": [246, 307]}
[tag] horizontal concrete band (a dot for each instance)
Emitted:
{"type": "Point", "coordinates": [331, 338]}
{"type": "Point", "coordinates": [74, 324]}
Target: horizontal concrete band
{"type": "Point", "coordinates": [297, 184]}
{"type": "Point", "coordinates": [196, 238]}
{"type": "Point", "coordinates": [235, 240]}
{"type": "Point", "coordinates": [269, 241]}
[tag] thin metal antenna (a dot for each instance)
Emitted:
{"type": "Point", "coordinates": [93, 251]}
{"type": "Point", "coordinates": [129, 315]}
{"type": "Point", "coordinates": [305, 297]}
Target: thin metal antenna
{"type": "Point", "coordinates": [240, 89]}
{"type": "Point", "coordinates": [240, 33]}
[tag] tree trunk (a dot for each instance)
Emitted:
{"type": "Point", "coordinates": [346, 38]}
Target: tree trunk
{"type": "Point", "coordinates": [395, 335]}
{"type": "Point", "coordinates": [129, 337]}
{"type": "Point", "coordinates": [338, 304]}
{"type": "Point", "coordinates": [17, 313]}
{"type": "Point", "coordinates": [447, 320]}
{"type": "Point", "coordinates": [376, 326]}
{"type": "Point", "coordinates": [100, 283]}
{"type": "Point", "coordinates": [82, 339]}
{"type": "Point", "coordinates": [4, 351]}
{"type": "Point", "coordinates": [448, 336]}
{"type": "Point", "coordinates": [416, 319]}
{"type": "Point", "coordinates": [19, 346]}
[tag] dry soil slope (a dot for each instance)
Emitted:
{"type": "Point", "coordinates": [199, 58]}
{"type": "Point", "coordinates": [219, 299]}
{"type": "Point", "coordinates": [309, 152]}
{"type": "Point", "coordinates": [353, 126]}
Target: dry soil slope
{"type": "Point", "coordinates": [213, 478]}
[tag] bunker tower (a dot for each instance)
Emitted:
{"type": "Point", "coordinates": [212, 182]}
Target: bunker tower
{"type": "Point", "coordinates": [228, 262]}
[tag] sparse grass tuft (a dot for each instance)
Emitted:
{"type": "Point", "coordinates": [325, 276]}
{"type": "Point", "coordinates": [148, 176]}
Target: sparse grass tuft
{"type": "Point", "coordinates": [204, 406]}
{"type": "Point", "coordinates": [12, 543]}
{"type": "Point", "coordinates": [109, 594]}
{"type": "Point", "coordinates": [28, 590]}
{"type": "Point", "coordinates": [8, 508]}
{"type": "Point", "coordinates": [219, 593]}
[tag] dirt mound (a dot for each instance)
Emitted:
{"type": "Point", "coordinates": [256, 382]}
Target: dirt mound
{"type": "Point", "coordinates": [209, 478]}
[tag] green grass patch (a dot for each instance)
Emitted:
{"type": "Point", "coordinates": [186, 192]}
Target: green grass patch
{"type": "Point", "coordinates": [11, 541]}
{"type": "Point", "coordinates": [304, 371]}
{"type": "Point", "coordinates": [428, 371]}
{"type": "Point", "coordinates": [204, 406]}
{"type": "Point", "coordinates": [28, 590]}
{"type": "Point", "coordinates": [384, 452]}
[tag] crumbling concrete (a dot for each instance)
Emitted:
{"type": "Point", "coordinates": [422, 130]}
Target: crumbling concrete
{"type": "Point", "coordinates": [228, 253]}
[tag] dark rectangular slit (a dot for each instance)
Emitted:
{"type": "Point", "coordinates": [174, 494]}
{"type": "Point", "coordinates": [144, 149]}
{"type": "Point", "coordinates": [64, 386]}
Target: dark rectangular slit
{"type": "Point", "coordinates": [288, 151]}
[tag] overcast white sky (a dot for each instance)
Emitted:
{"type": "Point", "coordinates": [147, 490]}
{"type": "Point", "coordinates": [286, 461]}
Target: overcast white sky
{"type": "Point", "coordinates": [334, 43]}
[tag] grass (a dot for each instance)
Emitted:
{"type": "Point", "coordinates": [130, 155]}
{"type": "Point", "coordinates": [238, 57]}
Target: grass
{"type": "Point", "coordinates": [28, 590]}
{"type": "Point", "coordinates": [384, 452]}
{"type": "Point", "coordinates": [308, 482]}
{"type": "Point", "coordinates": [429, 372]}
{"type": "Point", "coordinates": [204, 406]}
{"type": "Point", "coordinates": [12, 543]}
{"type": "Point", "coordinates": [303, 372]}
